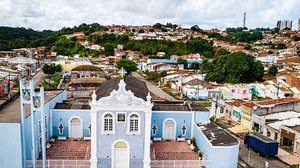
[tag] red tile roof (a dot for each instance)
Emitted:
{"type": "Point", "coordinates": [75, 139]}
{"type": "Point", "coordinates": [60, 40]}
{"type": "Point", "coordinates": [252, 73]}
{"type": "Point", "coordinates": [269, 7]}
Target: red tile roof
{"type": "Point", "coordinates": [278, 101]}
{"type": "Point", "coordinates": [236, 103]}
{"type": "Point", "coordinates": [249, 104]}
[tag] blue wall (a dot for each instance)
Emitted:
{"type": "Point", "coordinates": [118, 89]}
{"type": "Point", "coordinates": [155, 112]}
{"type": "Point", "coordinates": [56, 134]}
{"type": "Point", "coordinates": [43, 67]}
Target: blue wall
{"type": "Point", "coordinates": [10, 145]}
{"type": "Point", "coordinates": [202, 116]}
{"type": "Point", "coordinates": [47, 107]}
{"type": "Point", "coordinates": [216, 156]}
{"type": "Point", "coordinates": [65, 116]}
{"type": "Point", "coordinates": [135, 141]}
{"type": "Point", "coordinates": [183, 117]}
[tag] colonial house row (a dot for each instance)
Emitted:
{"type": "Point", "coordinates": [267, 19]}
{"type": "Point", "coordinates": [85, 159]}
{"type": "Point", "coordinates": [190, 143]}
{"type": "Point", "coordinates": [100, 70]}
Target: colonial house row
{"type": "Point", "coordinates": [272, 118]}
{"type": "Point", "coordinates": [193, 86]}
{"type": "Point", "coordinates": [121, 123]}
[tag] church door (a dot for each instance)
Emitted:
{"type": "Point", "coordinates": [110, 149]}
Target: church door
{"type": "Point", "coordinates": [169, 130]}
{"type": "Point", "coordinates": [75, 128]}
{"type": "Point", "coordinates": [120, 155]}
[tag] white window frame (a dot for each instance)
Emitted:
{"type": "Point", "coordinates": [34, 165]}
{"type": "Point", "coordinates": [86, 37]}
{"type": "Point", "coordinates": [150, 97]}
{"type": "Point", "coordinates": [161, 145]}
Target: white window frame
{"type": "Point", "coordinates": [121, 122]}
{"type": "Point", "coordinates": [139, 124]}
{"type": "Point", "coordinates": [113, 124]}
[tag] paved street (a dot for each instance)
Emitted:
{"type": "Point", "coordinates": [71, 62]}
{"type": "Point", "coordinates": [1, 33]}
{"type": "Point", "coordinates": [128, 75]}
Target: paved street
{"type": "Point", "coordinates": [153, 89]}
{"type": "Point", "coordinates": [38, 78]}
{"type": "Point", "coordinates": [256, 161]}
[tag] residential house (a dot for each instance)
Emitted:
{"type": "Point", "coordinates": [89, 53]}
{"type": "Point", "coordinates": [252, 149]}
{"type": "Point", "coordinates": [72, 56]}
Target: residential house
{"type": "Point", "coordinates": [236, 110]}
{"type": "Point", "coordinates": [246, 112]}
{"type": "Point", "coordinates": [290, 137]}
{"type": "Point", "coordinates": [214, 93]}
{"type": "Point", "coordinates": [240, 92]}
{"type": "Point", "coordinates": [269, 124]}
{"type": "Point", "coordinates": [226, 93]}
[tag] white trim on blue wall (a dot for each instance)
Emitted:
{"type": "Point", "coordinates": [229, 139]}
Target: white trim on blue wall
{"type": "Point", "coordinates": [113, 124]}
{"type": "Point", "coordinates": [164, 127]}
{"type": "Point", "coordinates": [81, 125]}
{"type": "Point", "coordinates": [139, 123]}
{"type": "Point", "coordinates": [113, 151]}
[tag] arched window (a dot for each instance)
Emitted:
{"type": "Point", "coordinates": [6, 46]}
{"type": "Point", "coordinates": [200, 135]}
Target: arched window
{"type": "Point", "coordinates": [108, 125]}
{"type": "Point", "coordinates": [134, 123]}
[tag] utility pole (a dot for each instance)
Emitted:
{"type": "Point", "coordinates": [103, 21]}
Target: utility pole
{"type": "Point", "coordinates": [181, 86]}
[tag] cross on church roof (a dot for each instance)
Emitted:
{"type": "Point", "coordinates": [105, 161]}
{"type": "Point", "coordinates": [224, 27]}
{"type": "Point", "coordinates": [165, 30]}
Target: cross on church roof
{"type": "Point", "coordinates": [122, 72]}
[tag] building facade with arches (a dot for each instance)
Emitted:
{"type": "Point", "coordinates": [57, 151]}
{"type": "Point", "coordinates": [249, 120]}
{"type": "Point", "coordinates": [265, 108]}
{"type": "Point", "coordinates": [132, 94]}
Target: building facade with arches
{"type": "Point", "coordinates": [121, 121]}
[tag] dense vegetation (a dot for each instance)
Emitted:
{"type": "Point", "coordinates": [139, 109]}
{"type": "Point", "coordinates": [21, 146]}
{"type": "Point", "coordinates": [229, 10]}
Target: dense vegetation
{"type": "Point", "coordinates": [239, 34]}
{"type": "Point", "coordinates": [234, 68]}
{"type": "Point", "coordinates": [54, 76]}
{"type": "Point", "coordinates": [19, 37]}
{"type": "Point", "coordinates": [128, 65]}
{"type": "Point", "coordinates": [151, 47]}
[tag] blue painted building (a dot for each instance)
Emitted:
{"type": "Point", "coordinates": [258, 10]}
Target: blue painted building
{"type": "Point", "coordinates": [120, 121]}
{"type": "Point", "coordinates": [216, 146]}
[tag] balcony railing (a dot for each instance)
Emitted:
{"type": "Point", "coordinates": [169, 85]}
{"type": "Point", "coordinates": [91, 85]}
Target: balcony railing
{"type": "Point", "coordinates": [177, 163]}
{"type": "Point", "coordinates": [61, 163]}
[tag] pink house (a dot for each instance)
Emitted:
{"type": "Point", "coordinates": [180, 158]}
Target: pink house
{"type": "Point", "coordinates": [240, 92]}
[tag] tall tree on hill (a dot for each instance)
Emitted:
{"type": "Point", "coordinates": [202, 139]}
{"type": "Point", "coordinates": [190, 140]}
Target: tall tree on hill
{"type": "Point", "coordinates": [128, 65]}
{"type": "Point", "coordinates": [50, 69]}
{"type": "Point", "coordinates": [273, 70]}
{"type": "Point", "coordinates": [235, 68]}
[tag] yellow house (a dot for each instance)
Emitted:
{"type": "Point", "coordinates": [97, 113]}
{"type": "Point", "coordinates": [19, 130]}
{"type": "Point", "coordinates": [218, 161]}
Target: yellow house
{"type": "Point", "coordinates": [246, 112]}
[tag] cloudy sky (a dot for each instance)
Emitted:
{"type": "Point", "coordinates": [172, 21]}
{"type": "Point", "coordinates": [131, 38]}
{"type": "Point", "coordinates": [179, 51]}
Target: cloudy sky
{"type": "Point", "coordinates": [55, 14]}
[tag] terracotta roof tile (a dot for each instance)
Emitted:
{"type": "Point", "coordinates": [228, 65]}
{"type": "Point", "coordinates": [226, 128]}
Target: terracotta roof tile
{"type": "Point", "coordinates": [236, 103]}
{"type": "Point", "coordinates": [278, 101]}
{"type": "Point", "coordinates": [249, 104]}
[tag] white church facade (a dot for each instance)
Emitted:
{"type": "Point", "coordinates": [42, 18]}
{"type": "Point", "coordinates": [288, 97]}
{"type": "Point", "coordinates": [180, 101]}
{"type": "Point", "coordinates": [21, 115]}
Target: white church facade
{"type": "Point", "coordinates": [120, 124]}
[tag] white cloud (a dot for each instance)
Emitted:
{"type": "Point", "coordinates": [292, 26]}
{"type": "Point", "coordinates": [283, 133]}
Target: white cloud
{"type": "Point", "coordinates": [55, 14]}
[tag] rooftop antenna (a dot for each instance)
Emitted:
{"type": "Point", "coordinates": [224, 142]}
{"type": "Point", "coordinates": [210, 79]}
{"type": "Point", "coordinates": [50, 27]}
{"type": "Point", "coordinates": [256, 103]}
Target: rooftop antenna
{"type": "Point", "coordinates": [244, 22]}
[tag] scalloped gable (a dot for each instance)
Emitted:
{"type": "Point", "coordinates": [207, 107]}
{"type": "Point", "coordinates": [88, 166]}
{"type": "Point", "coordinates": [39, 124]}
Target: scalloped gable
{"type": "Point", "coordinates": [136, 86]}
{"type": "Point", "coordinates": [121, 97]}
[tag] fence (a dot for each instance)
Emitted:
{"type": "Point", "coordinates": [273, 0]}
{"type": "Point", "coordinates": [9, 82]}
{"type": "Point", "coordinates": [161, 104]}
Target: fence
{"type": "Point", "coordinates": [61, 163]}
{"type": "Point", "coordinates": [177, 163]}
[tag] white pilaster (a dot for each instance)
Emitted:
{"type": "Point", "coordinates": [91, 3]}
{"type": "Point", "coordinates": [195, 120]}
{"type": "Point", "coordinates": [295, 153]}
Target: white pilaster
{"type": "Point", "coordinates": [23, 112]}
{"type": "Point", "coordinates": [94, 159]}
{"type": "Point", "coordinates": [147, 158]}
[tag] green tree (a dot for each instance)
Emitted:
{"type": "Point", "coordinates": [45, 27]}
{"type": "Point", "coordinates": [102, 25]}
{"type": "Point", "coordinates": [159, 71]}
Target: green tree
{"type": "Point", "coordinates": [235, 68]}
{"type": "Point", "coordinates": [195, 66]}
{"type": "Point", "coordinates": [50, 69]}
{"type": "Point", "coordinates": [109, 49]}
{"type": "Point", "coordinates": [184, 62]}
{"type": "Point", "coordinates": [157, 26]}
{"type": "Point", "coordinates": [128, 65]}
{"type": "Point", "coordinates": [273, 70]}
{"type": "Point", "coordinates": [141, 31]}
{"type": "Point", "coordinates": [196, 28]}
{"type": "Point", "coordinates": [280, 46]}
